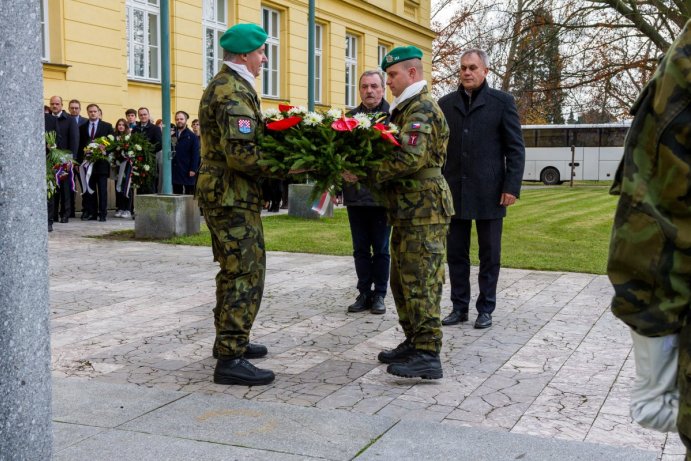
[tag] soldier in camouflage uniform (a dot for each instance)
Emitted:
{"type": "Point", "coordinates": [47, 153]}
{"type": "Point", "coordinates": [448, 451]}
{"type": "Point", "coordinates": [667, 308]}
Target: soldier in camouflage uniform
{"type": "Point", "coordinates": [419, 208]}
{"type": "Point", "coordinates": [229, 193]}
{"type": "Point", "coordinates": [650, 251]}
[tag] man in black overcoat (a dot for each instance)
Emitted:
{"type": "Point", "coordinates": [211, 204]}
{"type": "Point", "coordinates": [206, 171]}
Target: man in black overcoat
{"type": "Point", "coordinates": [96, 201]}
{"type": "Point", "coordinates": [67, 137]}
{"type": "Point", "coordinates": [484, 169]}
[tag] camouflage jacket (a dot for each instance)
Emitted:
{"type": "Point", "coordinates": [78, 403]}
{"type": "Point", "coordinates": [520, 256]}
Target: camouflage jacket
{"type": "Point", "coordinates": [411, 197]}
{"type": "Point", "coordinates": [650, 250]}
{"type": "Point", "coordinates": [230, 120]}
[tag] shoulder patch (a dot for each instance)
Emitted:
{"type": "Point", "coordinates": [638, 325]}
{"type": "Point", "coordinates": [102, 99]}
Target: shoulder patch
{"type": "Point", "coordinates": [244, 125]}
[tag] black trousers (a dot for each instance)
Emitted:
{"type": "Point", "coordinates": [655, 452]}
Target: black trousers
{"type": "Point", "coordinates": [458, 258]}
{"type": "Point", "coordinates": [97, 202]}
{"type": "Point", "coordinates": [61, 201]}
{"type": "Point", "coordinates": [371, 235]}
{"type": "Point", "coordinates": [182, 189]}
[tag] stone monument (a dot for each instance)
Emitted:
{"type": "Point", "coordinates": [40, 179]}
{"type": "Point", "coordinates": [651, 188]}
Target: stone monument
{"type": "Point", "coordinates": [25, 386]}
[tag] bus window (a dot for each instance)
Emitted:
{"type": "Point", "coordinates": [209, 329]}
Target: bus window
{"type": "Point", "coordinates": [613, 137]}
{"type": "Point", "coordinates": [584, 137]}
{"type": "Point", "coordinates": [529, 138]}
{"type": "Point", "coordinates": [551, 138]}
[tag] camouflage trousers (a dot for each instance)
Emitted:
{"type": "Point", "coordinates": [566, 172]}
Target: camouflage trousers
{"type": "Point", "coordinates": [237, 241]}
{"type": "Point", "coordinates": [684, 380]}
{"type": "Point", "coordinates": [417, 279]}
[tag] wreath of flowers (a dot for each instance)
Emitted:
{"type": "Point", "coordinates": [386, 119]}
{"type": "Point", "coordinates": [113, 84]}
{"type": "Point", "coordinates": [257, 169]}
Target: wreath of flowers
{"type": "Point", "coordinates": [98, 149]}
{"type": "Point", "coordinates": [134, 160]}
{"type": "Point", "coordinates": [59, 165]}
{"type": "Point", "coordinates": [321, 146]}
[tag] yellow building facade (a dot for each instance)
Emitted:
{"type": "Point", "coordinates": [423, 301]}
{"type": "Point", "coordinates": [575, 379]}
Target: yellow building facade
{"type": "Point", "coordinates": [108, 52]}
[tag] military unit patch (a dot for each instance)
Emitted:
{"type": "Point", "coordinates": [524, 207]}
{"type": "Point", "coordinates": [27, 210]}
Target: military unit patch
{"type": "Point", "coordinates": [412, 140]}
{"type": "Point", "coordinates": [244, 125]}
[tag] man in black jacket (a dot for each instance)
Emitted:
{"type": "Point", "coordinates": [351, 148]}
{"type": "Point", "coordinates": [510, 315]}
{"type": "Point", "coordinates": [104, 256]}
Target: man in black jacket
{"type": "Point", "coordinates": [153, 134]}
{"type": "Point", "coordinates": [484, 169]}
{"type": "Point", "coordinates": [99, 171]}
{"type": "Point", "coordinates": [367, 217]}
{"type": "Point", "coordinates": [67, 137]}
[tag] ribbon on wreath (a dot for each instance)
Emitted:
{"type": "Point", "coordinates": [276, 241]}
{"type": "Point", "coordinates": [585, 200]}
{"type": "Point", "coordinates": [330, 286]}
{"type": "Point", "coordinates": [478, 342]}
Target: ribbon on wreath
{"type": "Point", "coordinates": [124, 180]}
{"type": "Point", "coordinates": [321, 204]}
{"type": "Point", "coordinates": [85, 174]}
{"type": "Point", "coordinates": [65, 169]}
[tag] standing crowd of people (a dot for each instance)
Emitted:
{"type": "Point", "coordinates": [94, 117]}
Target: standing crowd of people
{"type": "Point", "coordinates": [74, 132]}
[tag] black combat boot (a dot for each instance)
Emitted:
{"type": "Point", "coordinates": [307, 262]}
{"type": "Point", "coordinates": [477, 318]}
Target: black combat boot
{"type": "Point", "coordinates": [422, 364]}
{"type": "Point", "coordinates": [253, 351]}
{"type": "Point", "coordinates": [397, 355]}
{"type": "Point", "coordinates": [240, 371]}
{"type": "Point", "coordinates": [362, 303]}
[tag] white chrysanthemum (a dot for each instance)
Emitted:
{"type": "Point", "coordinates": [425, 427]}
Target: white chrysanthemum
{"type": "Point", "coordinates": [127, 137]}
{"type": "Point", "coordinates": [273, 114]}
{"type": "Point", "coordinates": [313, 118]}
{"type": "Point", "coordinates": [363, 121]}
{"type": "Point", "coordinates": [334, 113]}
{"type": "Point", "coordinates": [299, 110]}
{"type": "Point", "coordinates": [146, 167]}
{"type": "Point", "coordinates": [130, 154]}
{"type": "Point", "coordinates": [111, 137]}
{"type": "Point", "coordinates": [393, 129]}
{"type": "Point", "coordinates": [137, 147]}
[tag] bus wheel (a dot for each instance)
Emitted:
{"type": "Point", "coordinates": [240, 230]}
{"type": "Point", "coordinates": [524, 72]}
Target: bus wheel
{"type": "Point", "coordinates": [550, 176]}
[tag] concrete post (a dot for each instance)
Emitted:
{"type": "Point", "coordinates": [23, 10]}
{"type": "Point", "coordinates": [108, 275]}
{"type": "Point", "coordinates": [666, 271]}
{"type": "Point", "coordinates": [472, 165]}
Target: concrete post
{"type": "Point", "coordinates": [25, 387]}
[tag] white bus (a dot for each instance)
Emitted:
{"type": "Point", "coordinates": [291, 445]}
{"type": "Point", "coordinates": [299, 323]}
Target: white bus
{"type": "Point", "coordinates": [599, 149]}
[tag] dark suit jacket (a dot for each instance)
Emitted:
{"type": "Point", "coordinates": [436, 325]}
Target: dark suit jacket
{"type": "Point", "coordinates": [81, 120]}
{"type": "Point", "coordinates": [485, 155]}
{"type": "Point", "coordinates": [102, 129]}
{"type": "Point", "coordinates": [67, 133]}
{"type": "Point", "coordinates": [186, 158]}
{"type": "Point", "coordinates": [152, 133]}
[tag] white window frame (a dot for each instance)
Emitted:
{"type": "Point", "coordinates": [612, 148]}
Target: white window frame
{"type": "Point", "coordinates": [382, 50]}
{"type": "Point", "coordinates": [318, 60]}
{"type": "Point", "coordinates": [45, 43]}
{"type": "Point", "coordinates": [148, 8]}
{"type": "Point", "coordinates": [351, 77]}
{"type": "Point", "coordinates": [271, 70]}
{"type": "Point", "coordinates": [216, 24]}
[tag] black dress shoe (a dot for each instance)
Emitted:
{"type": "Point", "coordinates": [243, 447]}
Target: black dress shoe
{"type": "Point", "coordinates": [362, 303]}
{"type": "Point", "coordinates": [64, 220]}
{"type": "Point", "coordinates": [378, 306]}
{"type": "Point", "coordinates": [422, 364]}
{"type": "Point", "coordinates": [92, 218]}
{"type": "Point", "coordinates": [86, 216]}
{"type": "Point", "coordinates": [102, 219]}
{"type": "Point", "coordinates": [50, 227]}
{"type": "Point", "coordinates": [253, 351]}
{"type": "Point", "coordinates": [240, 371]}
{"type": "Point", "coordinates": [399, 354]}
{"type": "Point", "coordinates": [455, 317]}
{"type": "Point", "coordinates": [484, 320]}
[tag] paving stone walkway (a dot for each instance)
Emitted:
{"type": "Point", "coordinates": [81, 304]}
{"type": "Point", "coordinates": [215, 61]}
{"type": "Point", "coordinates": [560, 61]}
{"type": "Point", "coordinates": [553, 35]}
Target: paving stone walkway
{"type": "Point", "coordinates": [556, 364]}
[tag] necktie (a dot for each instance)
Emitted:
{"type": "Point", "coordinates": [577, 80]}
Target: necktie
{"type": "Point", "coordinates": [93, 130]}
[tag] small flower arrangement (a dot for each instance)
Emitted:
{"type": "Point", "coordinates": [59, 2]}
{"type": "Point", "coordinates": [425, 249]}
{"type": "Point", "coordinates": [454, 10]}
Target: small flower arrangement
{"type": "Point", "coordinates": [98, 149]}
{"type": "Point", "coordinates": [321, 146]}
{"type": "Point", "coordinates": [134, 160]}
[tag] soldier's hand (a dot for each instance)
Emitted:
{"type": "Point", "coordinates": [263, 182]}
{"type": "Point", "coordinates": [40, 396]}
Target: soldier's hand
{"type": "Point", "coordinates": [507, 199]}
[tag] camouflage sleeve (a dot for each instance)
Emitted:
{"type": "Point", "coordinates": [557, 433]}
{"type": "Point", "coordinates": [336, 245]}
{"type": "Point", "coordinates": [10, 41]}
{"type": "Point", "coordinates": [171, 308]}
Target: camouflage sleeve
{"type": "Point", "coordinates": [649, 261]}
{"type": "Point", "coordinates": [415, 135]}
{"type": "Point", "coordinates": [239, 125]}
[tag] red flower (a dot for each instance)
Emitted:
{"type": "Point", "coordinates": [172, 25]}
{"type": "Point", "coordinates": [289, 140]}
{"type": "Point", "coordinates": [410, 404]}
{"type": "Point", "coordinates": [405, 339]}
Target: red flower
{"type": "Point", "coordinates": [344, 124]}
{"type": "Point", "coordinates": [140, 159]}
{"type": "Point", "coordinates": [284, 107]}
{"type": "Point", "coordinates": [284, 124]}
{"type": "Point", "coordinates": [386, 134]}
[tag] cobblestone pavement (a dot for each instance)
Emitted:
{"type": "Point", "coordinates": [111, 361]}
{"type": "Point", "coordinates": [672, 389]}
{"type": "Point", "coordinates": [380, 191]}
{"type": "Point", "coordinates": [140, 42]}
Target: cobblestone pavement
{"type": "Point", "coordinates": [556, 363]}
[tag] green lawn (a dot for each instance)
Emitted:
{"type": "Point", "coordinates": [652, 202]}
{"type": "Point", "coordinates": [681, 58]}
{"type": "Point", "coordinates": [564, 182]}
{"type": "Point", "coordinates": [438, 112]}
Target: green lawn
{"type": "Point", "coordinates": [556, 228]}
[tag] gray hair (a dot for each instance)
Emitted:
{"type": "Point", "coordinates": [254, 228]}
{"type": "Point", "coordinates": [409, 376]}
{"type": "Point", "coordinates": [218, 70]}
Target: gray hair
{"type": "Point", "coordinates": [481, 53]}
{"type": "Point", "coordinates": [228, 56]}
{"type": "Point", "coordinates": [367, 73]}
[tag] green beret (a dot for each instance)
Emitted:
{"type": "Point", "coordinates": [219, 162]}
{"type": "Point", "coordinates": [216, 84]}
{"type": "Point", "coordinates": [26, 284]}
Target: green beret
{"type": "Point", "coordinates": [400, 54]}
{"type": "Point", "coordinates": [243, 38]}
